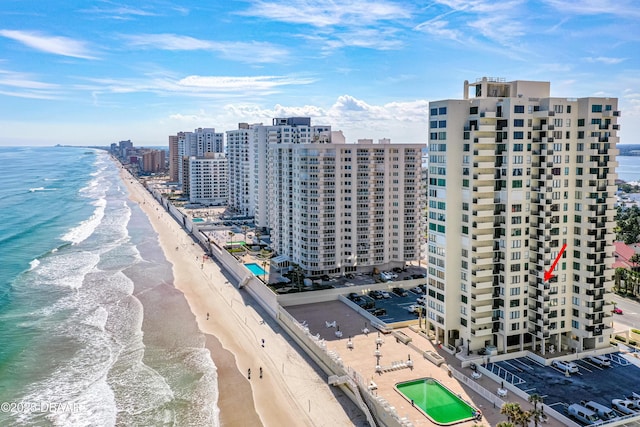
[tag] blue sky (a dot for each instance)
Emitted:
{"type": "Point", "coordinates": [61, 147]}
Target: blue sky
{"type": "Point", "coordinates": [96, 72]}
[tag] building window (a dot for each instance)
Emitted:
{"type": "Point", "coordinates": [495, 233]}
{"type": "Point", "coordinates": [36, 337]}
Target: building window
{"type": "Point", "coordinates": [518, 123]}
{"type": "Point", "coordinates": [434, 111]}
{"type": "Point", "coordinates": [596, 108]}
{"type": "Point", "coordinates": [518, 108]}
{"type": "Point", "coordinates": [442, 110]}
{"type": "Point", "coordinates": [518, 135]}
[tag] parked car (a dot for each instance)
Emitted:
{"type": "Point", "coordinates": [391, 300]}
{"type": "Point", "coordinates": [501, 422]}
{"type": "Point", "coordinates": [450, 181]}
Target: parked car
{"type": "Point", "coordinates": [400, 292]}
{"type": "Point", "coordinates": [416, 290]}
{"type": "Point", "coordinates": [565, 366]}
{"type": "Point", "coordinates": [419, 276]}
{"type": "Point", "coordinates": [406, 278]}
{"type": "Point", "coordinates": [376, 294]}
{"type": "Point", "coordinates": [365, 302]}
{"type": "Point", "coordinates": [391, 274]}
{"type": "Point", "coordinates": [353, 296]}
{"type": "Point", "coordinates": [601, 361]}
{"type": "Point", "coordinates": [415, 308]}
{"type": "Point", "coordinates": [385, 277]}
{"type": "Point", "coordinates": [624, 406]}
{"type": "Point", "coordinates": [397, 270]}
{"type": "Point", "coordinates": [379, 311]}
{"type": "Point", "coordinates": [350, 276]}
{"type": "Point", "coordinates": [422, 300]}
{"type": "Point", "coordinates": [617, 310]}
{"type": "Point", "coordinates": [385, 294]}
{"type": "Point", "coordinates": [635, 398]}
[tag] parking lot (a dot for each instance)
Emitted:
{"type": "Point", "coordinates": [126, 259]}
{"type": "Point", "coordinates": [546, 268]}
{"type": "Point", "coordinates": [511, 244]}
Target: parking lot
{"type": "Point", "coordinates": [600, 384]}
{"type": "Point", "coordinates": [396, 306]}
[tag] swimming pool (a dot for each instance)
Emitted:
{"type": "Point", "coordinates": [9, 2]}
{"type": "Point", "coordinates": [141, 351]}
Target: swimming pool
{"type": "Point", "coordinates": [197, 220]}
{"type": "Point", "coordinates": [255, 269]}
{"type": "Point", "coordinates": [436, 401]}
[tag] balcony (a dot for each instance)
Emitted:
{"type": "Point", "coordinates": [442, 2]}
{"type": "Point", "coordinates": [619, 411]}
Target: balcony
{"type": "Point", "coordinates": [486, 331]}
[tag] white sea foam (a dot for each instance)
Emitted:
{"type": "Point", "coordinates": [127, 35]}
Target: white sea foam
{"type": "Point", "coordinates": [33, 190]}
{"type": "Point", "coordinates": [33, 264]}
{"type": "Point", "coordinates": [87, 227]}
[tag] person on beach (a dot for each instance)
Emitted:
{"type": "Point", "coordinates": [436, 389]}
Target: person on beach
{"type": "Point", "coordinates": [262, 342]}
{"type": "Point", "coordinates": [260, 371]}
{"type": "Point", "coordinates": [249, 373]}
{"type": "Point", "coordinates": [207, 315]}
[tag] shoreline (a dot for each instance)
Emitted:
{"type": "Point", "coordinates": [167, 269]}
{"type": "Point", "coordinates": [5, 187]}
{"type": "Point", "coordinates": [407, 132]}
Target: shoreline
{"type": "Point", "coordinates": [290, 392]}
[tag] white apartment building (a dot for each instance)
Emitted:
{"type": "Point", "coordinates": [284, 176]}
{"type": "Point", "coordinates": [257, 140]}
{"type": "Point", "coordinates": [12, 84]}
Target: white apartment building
{"type": "Point", "coordinates": [514, 175]}
{"type": "Point", "coordinates": [196, 143]}
{"type": "Point", "coordinates": [244, 167]}
{"type": "Point", "coordinates": [336, 208]}
{"type": "Point", "coordinates": [247, 149]}
{"type": "Point", "coordinates": [208, 179]}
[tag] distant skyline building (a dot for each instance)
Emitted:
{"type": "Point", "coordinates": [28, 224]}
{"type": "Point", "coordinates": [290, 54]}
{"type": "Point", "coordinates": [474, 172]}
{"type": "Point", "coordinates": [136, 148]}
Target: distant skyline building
{"type": "Point", "coordinates": [189, 144]}
{"type": "Point", "coordinates": [514, 175]}
{"type": "Point", "coordinates": [153, 161]}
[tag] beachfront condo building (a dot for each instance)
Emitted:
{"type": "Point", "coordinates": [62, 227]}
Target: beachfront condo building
{"type": "Point", "coordinates": [208, 181]}
{"type": "Point", "coordinates": [174, 158]}
{"type": "Point", "coordinates": [330, 207]}
{"type": "Point", "coordinates": [247, 149]}
{"type": "Point", "coordinates": [244, 169]}
{"type": "Point", "coordinates": [338, 208]}
{"type": "Point", "coordinates": [188, 144]}
{"type": "Point", "coordinates": [514, 176]}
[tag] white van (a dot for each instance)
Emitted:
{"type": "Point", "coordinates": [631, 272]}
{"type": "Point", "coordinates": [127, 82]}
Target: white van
{"type": "Point", "coordinates": [601, 361]}
{"type": "Point", "coordinates": [583, 414]}
{"type": "Point", "coordinates": [565, 366]}
{"type": "Point", "coordinates": [605, 413]}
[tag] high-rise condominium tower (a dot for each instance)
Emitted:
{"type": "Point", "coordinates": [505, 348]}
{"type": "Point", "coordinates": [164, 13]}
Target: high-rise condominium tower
{"type": "Point", "coordinates": [330, 207]}
{"type": "Point", "coordinates": [514, 176]}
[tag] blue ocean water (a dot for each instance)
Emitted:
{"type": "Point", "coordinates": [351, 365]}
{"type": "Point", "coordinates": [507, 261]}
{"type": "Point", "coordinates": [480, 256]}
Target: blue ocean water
{"type": "Point", "coordinates": [628, 168]}
{"type": "Point", "coordinates": [85, 298]}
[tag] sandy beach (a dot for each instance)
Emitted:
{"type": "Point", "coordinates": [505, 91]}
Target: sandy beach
{"type": "Point", "coordinates": [290, 391]}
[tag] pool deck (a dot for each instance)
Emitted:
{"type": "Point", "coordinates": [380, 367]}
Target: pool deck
{"type": "Point", "coordinates": [363, 360]}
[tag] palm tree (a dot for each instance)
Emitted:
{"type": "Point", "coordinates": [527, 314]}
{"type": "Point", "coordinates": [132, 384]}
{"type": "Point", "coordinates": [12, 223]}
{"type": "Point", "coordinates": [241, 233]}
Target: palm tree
{"type": "Point", "coordinates": [511, 410]}
{"type": "Point", "coordinates": [297, 271]}
{"type": "Point", "coordinates": [231, 236]}
{"type": "Point", "coordinates": [536, 399]}
{"type": "Point", "coordinates": [523, 418]}
{"type": "Point", "coordinates": [244, 230]}
{"type": "Point", "coordinates": [620, 278]}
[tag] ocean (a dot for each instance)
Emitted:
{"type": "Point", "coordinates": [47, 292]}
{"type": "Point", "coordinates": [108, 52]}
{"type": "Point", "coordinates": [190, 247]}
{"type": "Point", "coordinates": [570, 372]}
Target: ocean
{"type": "Point", "coordinates": [92, 331]}
{"type": "Point", "coordinates": [628, 168]}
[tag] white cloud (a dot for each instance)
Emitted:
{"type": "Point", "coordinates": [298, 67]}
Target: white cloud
{"type": "Point", "coordinates": [195, 85]}
{"type": "Point", "coordinates": [261, 52]}
{"type": "Point", "coordinates": [604, 60]}
{"type": "Point", "coordinates": [325, 14]}
{"type": "Point", "coordinates": [57, 45]}
{"type": "Point", "coordinates": [22, 85]}
{"type": "Point", "coordinates": [402, 121]}
{"type": "Point", "coordinates": [348, 23]}
{"type": "Point", "coordinates": [440, 29]}
{"type": "Point", "coordinates": [625, 8]}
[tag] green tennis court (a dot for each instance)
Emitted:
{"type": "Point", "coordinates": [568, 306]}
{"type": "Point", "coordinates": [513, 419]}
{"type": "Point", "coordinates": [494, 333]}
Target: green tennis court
{"type": "Point", "coordinates": [438, 403]}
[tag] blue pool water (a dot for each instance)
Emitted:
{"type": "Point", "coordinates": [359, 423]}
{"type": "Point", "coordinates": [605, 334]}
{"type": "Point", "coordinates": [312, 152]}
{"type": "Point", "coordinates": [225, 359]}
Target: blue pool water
{"type": "Point", "coordinates": [255, 269]}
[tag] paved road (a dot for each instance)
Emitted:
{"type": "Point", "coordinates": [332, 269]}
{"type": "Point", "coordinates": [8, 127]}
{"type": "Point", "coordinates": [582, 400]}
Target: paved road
{"type": "Point", "coordinates": [631, 312]}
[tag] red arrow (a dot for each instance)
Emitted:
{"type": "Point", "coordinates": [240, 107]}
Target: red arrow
{"type": "Point", "coordinates": [549, 274]}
